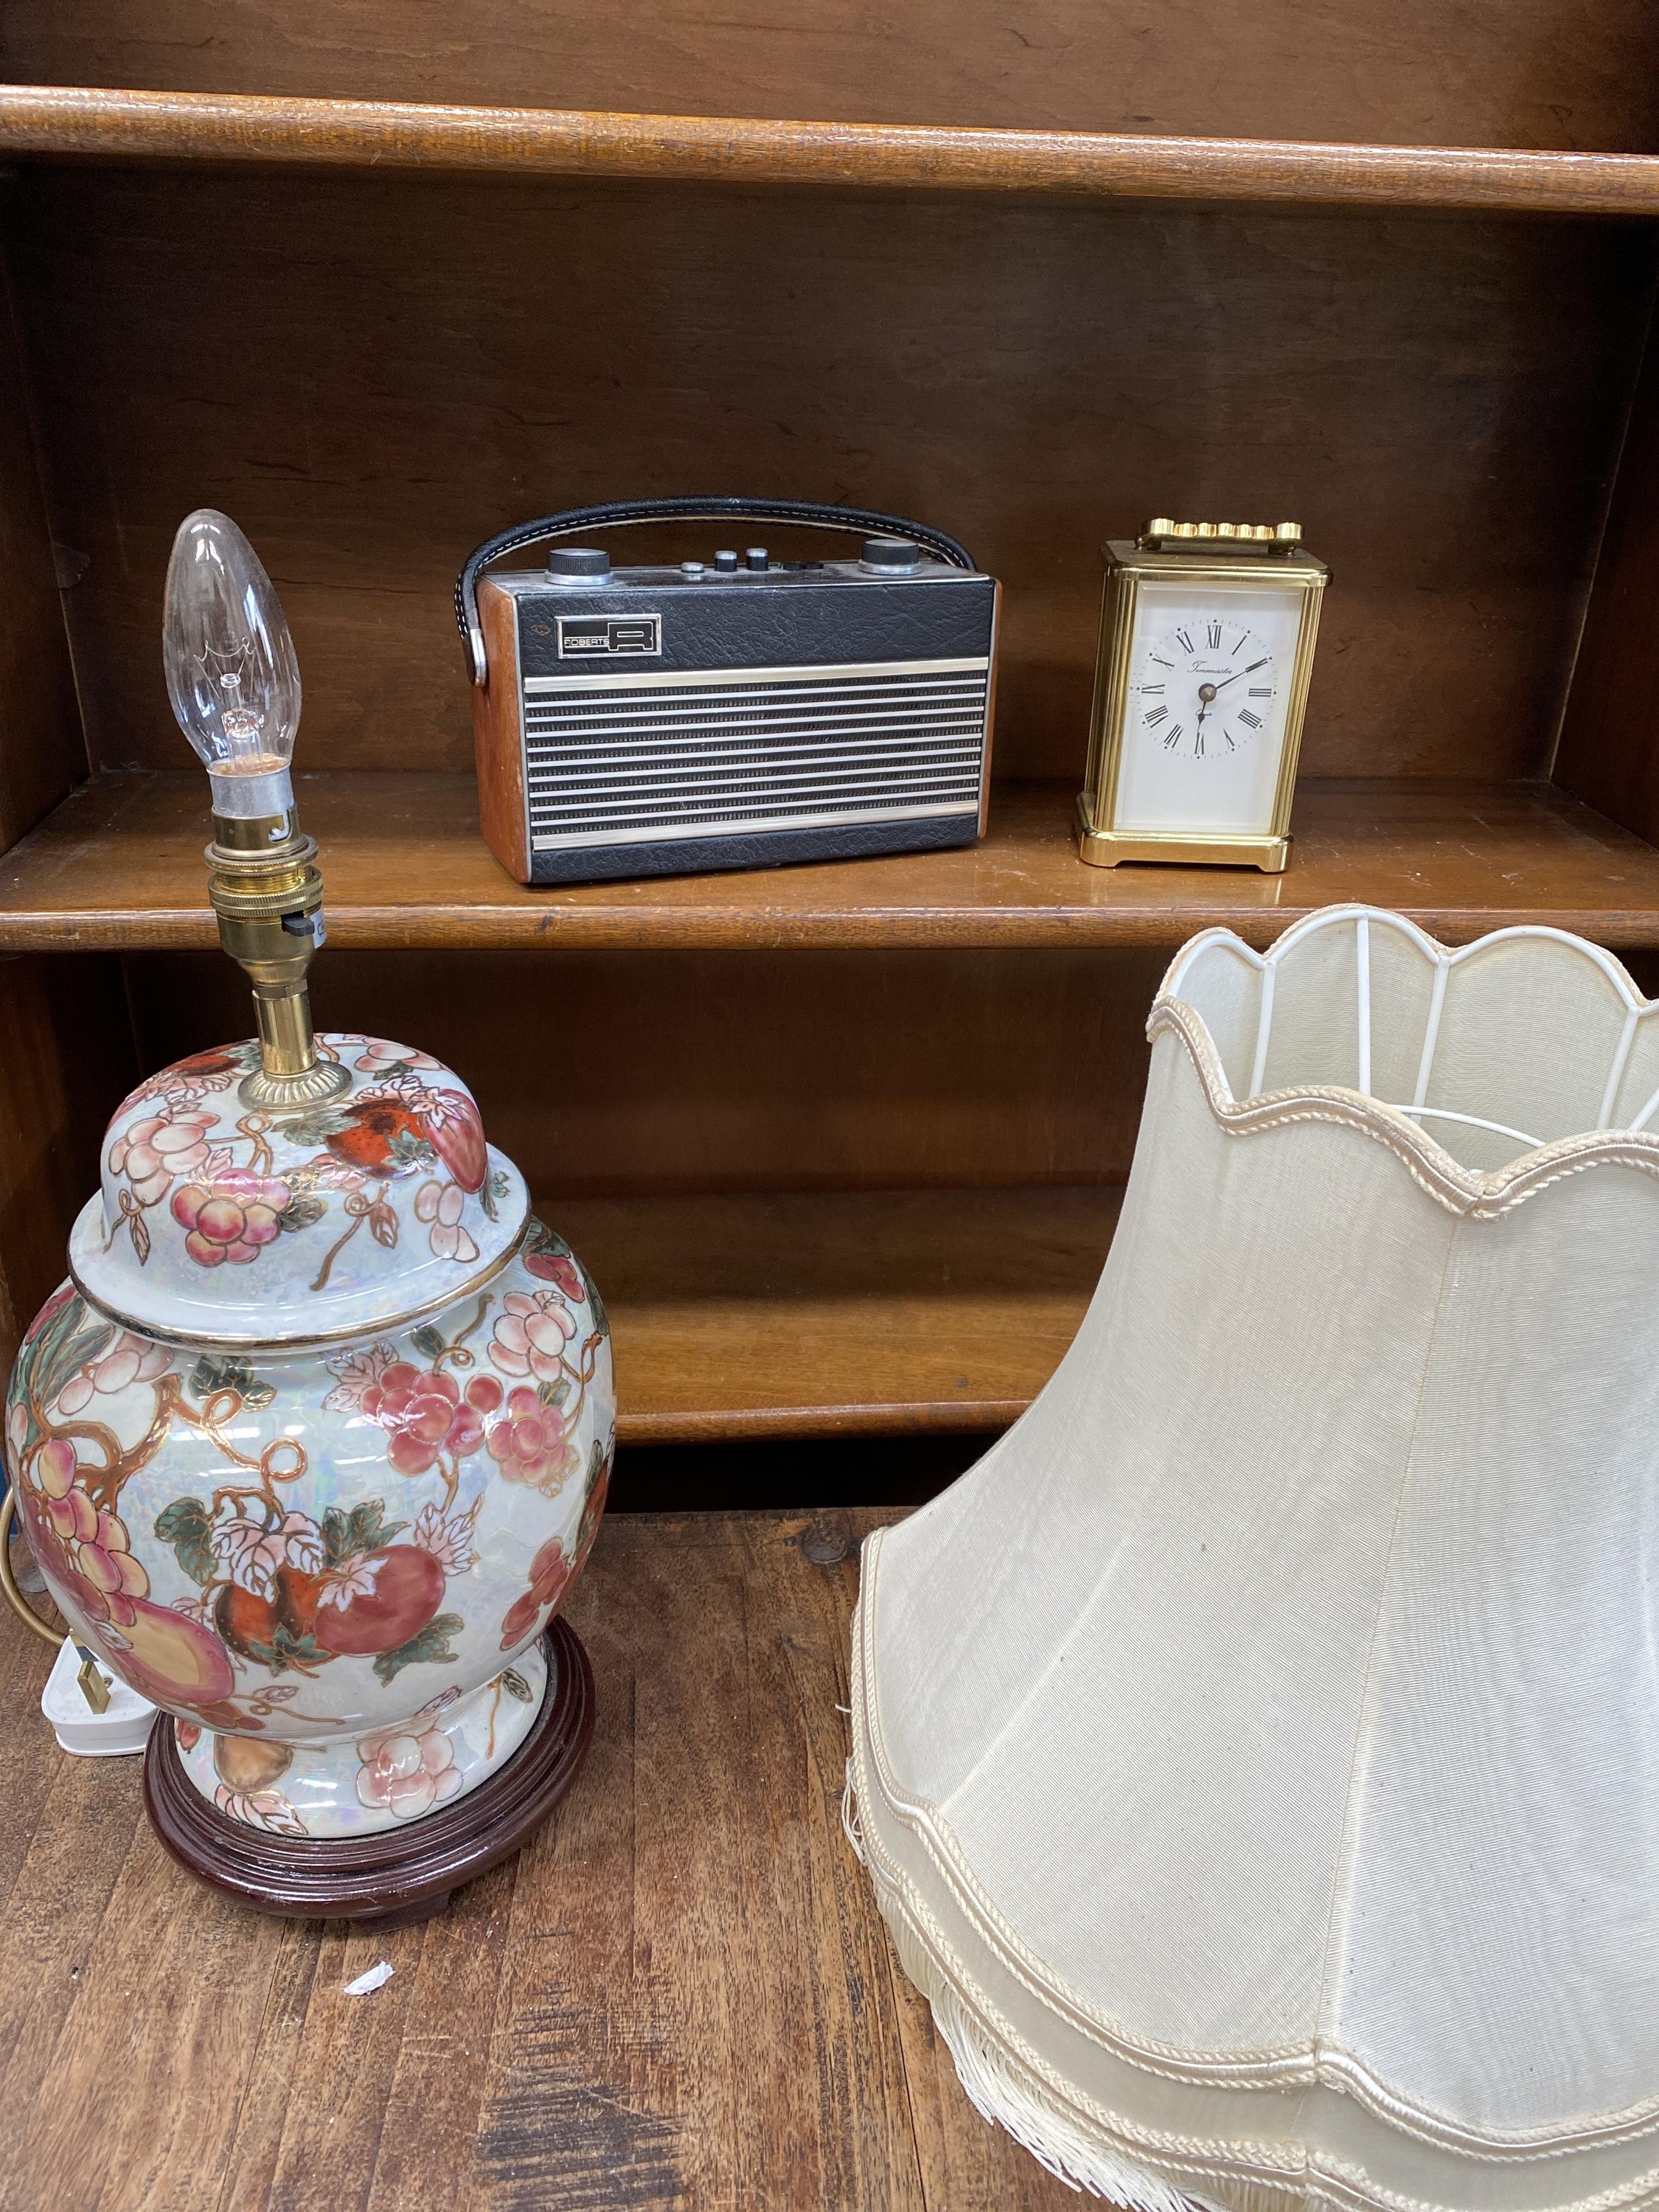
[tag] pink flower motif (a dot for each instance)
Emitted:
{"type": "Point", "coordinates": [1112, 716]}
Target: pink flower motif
{"type": "Point", "coordinates": [528, 1444]}
{"type": "Point", "coordinates": [153, 1151]}
{"type": "Point", "coordinates": [253, 1546]}
{"type": "Point", "coordinates": [356, 1374]}
{"type": "Point", "coordinates": [530, 1334]}
{"type": "Point", "coordinates": [130, 1359]}
{"type": "Point", "coordinates": [232, 1217]}
{"type": "Point", "coordinates": [448, 1537]}
{"type": "Point", "coordinates": [441, 1204]}
{"type": "Point", "coordinates": [406, 1769]}
{"type": "Point", "coordinates": [380, 1056]}
{"type": "Point", "coordinates": [354, 1577]}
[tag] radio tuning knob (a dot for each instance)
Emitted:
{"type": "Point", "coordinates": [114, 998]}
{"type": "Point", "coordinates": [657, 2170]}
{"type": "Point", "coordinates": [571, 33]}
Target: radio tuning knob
{"type": "Point", "coordinates": [726, 563]}
{"type": "Point", "coordinates": [891, 553]}
{"type": "Point", "coordinates": [756, 558]}
{"type": "Point", "coordinates": [578, 560]}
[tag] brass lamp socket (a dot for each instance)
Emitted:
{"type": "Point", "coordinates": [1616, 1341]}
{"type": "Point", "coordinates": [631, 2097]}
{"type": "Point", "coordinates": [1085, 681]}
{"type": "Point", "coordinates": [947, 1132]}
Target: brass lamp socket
{"type": "Point", "coordinates": [268, 893]}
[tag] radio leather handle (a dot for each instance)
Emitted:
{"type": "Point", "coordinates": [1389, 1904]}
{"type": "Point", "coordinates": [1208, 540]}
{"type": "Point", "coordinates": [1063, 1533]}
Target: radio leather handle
{"type": "Point", "coordinates": [801, 514]}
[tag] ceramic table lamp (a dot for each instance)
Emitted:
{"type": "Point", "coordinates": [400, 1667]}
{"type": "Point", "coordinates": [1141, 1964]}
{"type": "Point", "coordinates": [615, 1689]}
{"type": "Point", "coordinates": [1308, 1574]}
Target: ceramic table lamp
{"type": "Point", "coordinates": [311, 1444]}
{"type": "Point", "coordinates": [1256, 1755]}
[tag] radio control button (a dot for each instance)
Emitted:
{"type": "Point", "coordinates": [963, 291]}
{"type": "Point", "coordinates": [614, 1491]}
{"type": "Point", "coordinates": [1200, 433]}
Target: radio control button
{"type": "Point", "coordinates": [578, 560]}
{"type": "Point", "coordinates": [756, 558]}
{"type": "Point", "coordinates": [691, 568]}
{"type": "Point", "coordinates": [726, 563]}
{"type": "Point", "coordinates": [891, 553]}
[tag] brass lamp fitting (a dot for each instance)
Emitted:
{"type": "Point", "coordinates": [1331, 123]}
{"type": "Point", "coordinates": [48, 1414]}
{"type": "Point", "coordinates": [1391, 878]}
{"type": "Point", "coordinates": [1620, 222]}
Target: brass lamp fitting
{"type": "Point", "coordinates": [268, 893]}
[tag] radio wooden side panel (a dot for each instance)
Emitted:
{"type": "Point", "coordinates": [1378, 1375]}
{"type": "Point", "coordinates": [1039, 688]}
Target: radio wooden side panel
{"type": "Point", "coordinates": [498, 735]}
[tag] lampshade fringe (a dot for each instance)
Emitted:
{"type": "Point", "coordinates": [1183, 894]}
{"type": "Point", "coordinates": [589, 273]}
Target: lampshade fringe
{"type": "Point", "coordinates": [1010, 2097]}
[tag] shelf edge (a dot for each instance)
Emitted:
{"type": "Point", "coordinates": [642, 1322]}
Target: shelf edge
{"type": "Point", "coordinates": [110, 124]}
{"type": "Point", "coordinates": [759, 1424]}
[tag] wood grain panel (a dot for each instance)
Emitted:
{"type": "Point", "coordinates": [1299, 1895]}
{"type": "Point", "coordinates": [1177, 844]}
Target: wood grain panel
{"type": "Point", "coordinates": [124, 125]}
{"type": "Point", "coordinates": [877, 1313]}
{"type": "Point", "coordinates": [1567, 73]}
{"type": "Point", "coordinates": [1437, 399]}
{"type": "Point", "coordinates": [1609, 749]}
{"type": "Point", "coordinates": [42, 750]}
{"type": "Point", "coordinates": [680, 1993]}
{"type": "Point", "coordinates": [119, 864]}
{"type": "Point", "coordinates": [66, 1060]}
{"type": "Point", "coordinates": [498, 735]}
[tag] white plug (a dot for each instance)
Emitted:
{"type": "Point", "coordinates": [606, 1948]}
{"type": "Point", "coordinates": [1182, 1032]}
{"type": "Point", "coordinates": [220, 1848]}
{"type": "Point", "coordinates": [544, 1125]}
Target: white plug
{"type": "Point", "coordinates": [122, 1724]}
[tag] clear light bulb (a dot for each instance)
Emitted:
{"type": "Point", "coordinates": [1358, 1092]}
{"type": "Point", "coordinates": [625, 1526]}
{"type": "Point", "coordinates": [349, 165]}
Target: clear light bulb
{"type": "Point", "coordinates": [232, 674]}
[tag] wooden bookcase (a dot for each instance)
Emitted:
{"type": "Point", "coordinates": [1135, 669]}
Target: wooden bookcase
{"type": "Point", "coordinates": [841, 1143]}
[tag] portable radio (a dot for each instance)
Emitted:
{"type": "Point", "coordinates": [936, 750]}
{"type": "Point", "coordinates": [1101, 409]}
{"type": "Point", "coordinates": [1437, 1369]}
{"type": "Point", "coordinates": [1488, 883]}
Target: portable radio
{"type": "Point", "coordinates": [732, 712]}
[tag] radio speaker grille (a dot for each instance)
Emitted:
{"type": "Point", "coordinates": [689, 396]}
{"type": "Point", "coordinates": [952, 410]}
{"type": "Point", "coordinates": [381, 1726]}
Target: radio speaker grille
{"type": "Point", "coordinates": [631, 759]}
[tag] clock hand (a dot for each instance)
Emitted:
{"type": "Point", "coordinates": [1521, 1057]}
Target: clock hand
{"type": "Point", "coordinates": [1213, 688]}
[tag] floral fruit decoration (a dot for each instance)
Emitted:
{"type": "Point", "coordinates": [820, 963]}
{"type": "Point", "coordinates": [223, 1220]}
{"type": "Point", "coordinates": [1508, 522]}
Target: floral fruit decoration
{"type": "Point", "coordinates": [218, 1167]}
{"type": "Point", "coordinates": [268, 1543]}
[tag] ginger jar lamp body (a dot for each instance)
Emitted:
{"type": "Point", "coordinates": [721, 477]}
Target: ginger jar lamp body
{"type": "Point", "coordinates": [311, 1444]}
{"type": "Point", "coordinates": [1256, 1755]}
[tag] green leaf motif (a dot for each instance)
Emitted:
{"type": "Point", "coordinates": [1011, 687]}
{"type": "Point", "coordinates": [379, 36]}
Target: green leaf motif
{"type": "Point", "coordinates": [431, 1645]}
{"type": "Point", "coordinates": [285, 1650]}
{"type": "Point", "coordinates": [185, 1525]}
{"type": "Point", "coordinates": [364, 1528]}
{"type": "Point", "coordinates": [317, 1124]}
{"type": "Point", "coordinates": [413, 1151]}
{"type": "Point", "coordinates": [210, 1374]}
{"type": "Point", "coordinates": [301, 1214]}
{"type": "Point", "coordinates": [427, 1342]}
{"type": "Point", "coordinates": [493, 1192]}
{"type": "Point", "coordinates": [554, 1393]}
{"type": "Point", "coordinates": [515, 1684]}
{"type": "Point", "coordinates": [64, 1347]}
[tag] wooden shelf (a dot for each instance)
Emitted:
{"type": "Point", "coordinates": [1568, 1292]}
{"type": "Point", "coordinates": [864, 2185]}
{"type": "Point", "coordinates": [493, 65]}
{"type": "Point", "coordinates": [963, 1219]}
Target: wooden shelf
{"type": "Point", "coordinates": [856, 1313]}
{"type": "Point", "coordinates": [112, 125]}
{"type": "Point", "coordinates": [119, 865]}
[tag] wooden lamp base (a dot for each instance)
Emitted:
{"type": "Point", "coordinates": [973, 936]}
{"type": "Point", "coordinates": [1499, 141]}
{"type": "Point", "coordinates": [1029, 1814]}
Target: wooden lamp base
{"type": "Point", "coordinates": [397, 1876]}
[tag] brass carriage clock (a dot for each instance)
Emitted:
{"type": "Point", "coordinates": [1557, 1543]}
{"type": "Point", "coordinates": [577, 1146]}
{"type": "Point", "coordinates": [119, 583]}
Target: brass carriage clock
{"type": "Point", "coordinates": [1207, 646]}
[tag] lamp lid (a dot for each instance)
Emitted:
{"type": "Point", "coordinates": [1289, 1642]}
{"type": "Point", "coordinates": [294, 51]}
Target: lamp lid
{"type": "Point", "coordinates": [222, 1223]}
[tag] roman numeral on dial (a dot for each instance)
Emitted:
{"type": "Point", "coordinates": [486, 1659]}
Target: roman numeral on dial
{"type": "Point", "coordinates": [1157, 715]}
{"type": "Point", "coordinates": [1174, 737]}
{"type": "Point", "coordinates": [1183, 641]}
{"type": "Point", "coordinates": [1261, 690]}
{"type": "Point", "coordinates": [1213, 634]}
{"type": "Point", "coordinates": [1251, 722]}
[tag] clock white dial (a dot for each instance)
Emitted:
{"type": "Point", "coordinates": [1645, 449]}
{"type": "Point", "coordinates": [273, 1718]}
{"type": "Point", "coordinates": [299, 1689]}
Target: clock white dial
{"type": "Point", "coordinates": [1204, 713]}
{"type": "Point", "coordinates": [1206, 687]}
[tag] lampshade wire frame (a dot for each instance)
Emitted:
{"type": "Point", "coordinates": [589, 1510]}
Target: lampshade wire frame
{"type": "Point", "coordinates": [1616, 1072]}
{"type": "Point", "coordinates": [1444, 961]}
{"type": "Point", "coordinates": [1362, 931]}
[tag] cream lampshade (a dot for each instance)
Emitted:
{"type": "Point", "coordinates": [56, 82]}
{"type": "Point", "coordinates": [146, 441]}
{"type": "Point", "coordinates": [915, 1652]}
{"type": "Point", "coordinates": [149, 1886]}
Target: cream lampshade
{"type": "Point", "coordinates": [1256, 1755]}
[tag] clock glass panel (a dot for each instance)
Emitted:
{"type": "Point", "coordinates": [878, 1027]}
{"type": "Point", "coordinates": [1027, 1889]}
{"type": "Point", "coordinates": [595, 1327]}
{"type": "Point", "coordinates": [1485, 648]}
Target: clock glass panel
{"type": "Point", "coordinates": [1204, 717]}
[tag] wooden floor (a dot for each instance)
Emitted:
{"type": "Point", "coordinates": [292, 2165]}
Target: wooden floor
{"type": "Point", "coordinates": [680, 1994]}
